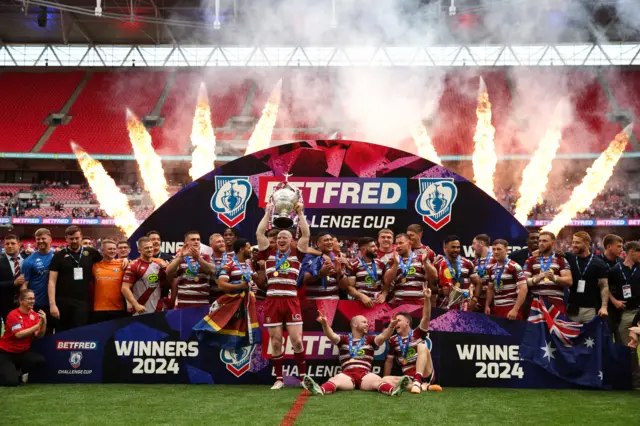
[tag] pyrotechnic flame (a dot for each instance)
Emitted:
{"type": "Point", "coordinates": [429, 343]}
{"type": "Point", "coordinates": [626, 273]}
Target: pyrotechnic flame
{"type": "Point", "coordinates": [593, 183]}
{"type": "Point", "coordinates": [536, 175]}
{"type": "Point", "coordinates": [484, 155]}
{"type": "Point", "coordinates": [424, 144]}
{"type": "Point", "coordinates": [111, 200]}
{"type": "Point", "coordinates": [261, 136]}
{"type": "Point", "coordinates": [148, 161]}
{"type": "Point", "coordinates": [203, 139]}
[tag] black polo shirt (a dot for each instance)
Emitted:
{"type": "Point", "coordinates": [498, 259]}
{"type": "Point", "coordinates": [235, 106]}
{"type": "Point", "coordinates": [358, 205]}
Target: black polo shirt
{"type": "Point", "coordinates": [596, 270]}
{"type": "Point", "coordinates": [610, 263]}
{"type": "Point", "coordinates": [617, 280]}
{"type": "Point", "coordinates": [520, 256]}
{"type": "Point", "coordinates": [64, 262]}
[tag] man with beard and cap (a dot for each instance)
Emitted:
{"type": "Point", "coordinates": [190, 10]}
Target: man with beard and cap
{"type": "Point", "coordinates": [482, 249]}
{"type": "Point", "coordinates": [589, 292]}
{"type": "Point", "coordinates": [410, 273]}
{"type": "Point", "coordinates": [356, 356]}
{"type": "Point", "coordinates": [35, 270]}
{"type": "Point", "coordinates": [230, 235]}
{"type": "Point", "coordinates": [408, 347]}
{"type": "Point", "coordinates": [323, 273]}
{"type": "Point", "coordinates": [10, 278]}
{"type": "Point", "coordinates": [507, 289]}
{"type": "Point", "coordinates": [521, 256]}
{"type": "Point", "coordinates": [456, 271]}
{"type": "Point", "coordinates": [366, 275]}
{"type": "Point", "coordinates": [282, 269]}
{"type": "Point", "coordinates": [548, 274]}
{"type": "Point", "coordinates": [70, 276]}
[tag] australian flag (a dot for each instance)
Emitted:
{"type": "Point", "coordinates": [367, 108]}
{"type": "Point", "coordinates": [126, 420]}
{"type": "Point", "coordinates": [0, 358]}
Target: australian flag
{"type": "Point", "coordinates": [583, 354]}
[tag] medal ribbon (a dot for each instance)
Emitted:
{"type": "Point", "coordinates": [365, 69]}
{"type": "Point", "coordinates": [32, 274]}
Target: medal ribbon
{"type": "Point", "coordinates": [404, 267]}
{"type": "Point", "coordinates": [404, 349]}
{"type": "Point", "coordinates": [483, 270]}
{"type": "Point", "coordinates": [353, 352]}
{"type": "Point", "coordinates": [458, 273]}
{"type": "Point", "coordinates": [218, 266]}
{"type": "Point", "coordinates": [246, 273]}
{"type": "Point", "coordinates": [544, 267]}
{"type": "Point", "coordinates": [499, 273]}
{"type": "Point", "coordinates": [325, 280]}
{"type": "Point", "coordinates": [585, 269]}
{"type": "Point", "coordinates": [373, 271]}
{"type": "Point", "coordinates": [190, 267]}
{"type": "Point", "coordinates": [281, 260]}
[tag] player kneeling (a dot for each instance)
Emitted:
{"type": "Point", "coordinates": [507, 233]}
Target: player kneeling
{"type": "Point", "coordinates": [356, 356]}
{"type": "Point", "coordinates": [409, 348]}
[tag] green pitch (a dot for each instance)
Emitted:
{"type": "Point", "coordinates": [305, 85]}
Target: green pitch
{"type": "Point", "coordinates": [257, 405]}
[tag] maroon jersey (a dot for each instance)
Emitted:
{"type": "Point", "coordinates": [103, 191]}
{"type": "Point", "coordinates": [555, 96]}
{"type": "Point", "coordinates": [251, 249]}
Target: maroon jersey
{"type": "Point", "coordinates": [482, 267]}
{"type": "Point", "coordinates": [283, 282]}
{"type": "Point", "coordinates": [410, 288]}
{"type": "Point", "coordinates": [365, 283]}
{"type": "Point", "coordinates": [385, 256]}
{"type": "Point", "coordinates": [511, 280]}
{"type": "Point", "coordinates": [406, 356]}
{"type": "Point", "coordinates": [425, 250]}
{"type": "Point", "coordinates": [546, 288]}
{"type": "Point", "coordinates": [193, 286]}
{"type": "Point", "coordinates": [446, 277]}
{"type": "Point", "coordinates": [325, 288]}
{"type": "Point", "coordinates": [218, 263]}
{"type": "Point", "coordinates": [146, 279]}
{"type": "Point", "coordinates": [360, 360]}
{"type": "Point", "coordinates": [231, 271]}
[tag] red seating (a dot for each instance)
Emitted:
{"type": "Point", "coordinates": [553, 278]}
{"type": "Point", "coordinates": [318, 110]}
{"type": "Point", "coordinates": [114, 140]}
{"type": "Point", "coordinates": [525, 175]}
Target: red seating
{"type": "Point", "coordinates": [26, 100]}
{"type": "Point", "coordinates": [99, 114]}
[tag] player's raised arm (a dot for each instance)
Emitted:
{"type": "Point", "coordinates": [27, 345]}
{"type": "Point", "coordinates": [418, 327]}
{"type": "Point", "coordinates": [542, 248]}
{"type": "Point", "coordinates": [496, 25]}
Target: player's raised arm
{"type": "Point", "coordinates": [305, 232]}
{"type": "Point", "coordinates": [426, 310]}
{"type": "Point", "coordinates": [261, 231]}
{"type": "Point", "coordinates": [172, 268]}
{"type": "Point", "coordinates": [391, 273]}
{"type": "Point", "coordinates": [386, 333]}
{"type": "Point", "coordinates": [326, 328]}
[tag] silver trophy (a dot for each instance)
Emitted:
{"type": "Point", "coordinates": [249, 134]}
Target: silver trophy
{"type": "Point", "coordinates": [283, 201]}
{"type": "Point", "coordinates": [460, 296]}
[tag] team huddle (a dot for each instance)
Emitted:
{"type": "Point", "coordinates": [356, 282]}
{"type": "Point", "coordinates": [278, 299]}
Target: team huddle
{"type": "Point", "coordinates": [394, 269]}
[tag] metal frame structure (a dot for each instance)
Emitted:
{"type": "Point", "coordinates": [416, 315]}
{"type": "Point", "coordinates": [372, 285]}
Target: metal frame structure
{"type": "Point", "coordinates": [545, 55]}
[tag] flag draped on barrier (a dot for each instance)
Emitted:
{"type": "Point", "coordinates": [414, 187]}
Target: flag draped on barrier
{"type": "Point", "coordinates": [583, 354]}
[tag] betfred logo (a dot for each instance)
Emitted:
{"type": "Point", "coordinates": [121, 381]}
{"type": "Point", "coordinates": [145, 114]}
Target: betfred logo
{"type": "Point", "coordinates": [342, 193]}
{"type": "Point", "coordinates": [71, 345]}
{"type": "Point", "coordinates": [316, 344]}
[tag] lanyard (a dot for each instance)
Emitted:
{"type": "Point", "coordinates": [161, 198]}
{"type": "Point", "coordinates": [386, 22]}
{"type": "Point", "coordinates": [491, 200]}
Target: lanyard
{"type": "Point", "coordinates": [192, 268]}
{"type": "Point", "coordinates": [544, 267]}
{"type": "Point", "coordinates": [353, 352]}
{"type": "Point", "coordinates": [373, 271]}
{"type": "Point", "coordinates": [404, 349]}
{"type": "Point", "coordinates": [482, 270]}
{"type": "Point", "coordinates": [627, 280]}
{"type": "Point", "coordinates": [74, 258]}
{"type": "Point", "coordinates": [281, 260]}
{"type": "Point", "coordinates": [585, 269]}
{"type": "Point", "coordinates": [404, 267]}
{"type": "Point", "coordinates": [458, 273]}
{"type": "Point", "coordinates": [246, 273]}
{"type": "Point", "coordinates": [325, 280]}
{"type": "Point", "coordinates": [499, 273]}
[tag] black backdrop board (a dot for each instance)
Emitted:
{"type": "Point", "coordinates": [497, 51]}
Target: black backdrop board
{"type": "Point", "coordinates": [350, 188]}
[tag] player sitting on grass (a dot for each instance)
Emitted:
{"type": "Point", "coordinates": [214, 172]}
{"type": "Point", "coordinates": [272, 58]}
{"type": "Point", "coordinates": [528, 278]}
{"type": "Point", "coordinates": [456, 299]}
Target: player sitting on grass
{"type": "Point", "coordinates": [409, 348]}
{"type": "Point", "coordinates": [356, 355]}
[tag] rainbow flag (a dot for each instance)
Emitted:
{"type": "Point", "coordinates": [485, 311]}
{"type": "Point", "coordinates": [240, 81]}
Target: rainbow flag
{"type": "Point", "coordinates": [232, 322]}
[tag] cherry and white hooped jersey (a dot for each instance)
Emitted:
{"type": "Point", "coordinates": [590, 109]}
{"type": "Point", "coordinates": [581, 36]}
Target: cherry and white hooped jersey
{"type": "Point", "coordinates": [284, 284]}
{"type": "Point", "coordinates": [506, 292]}
{"type": "Point", "coordinates": [397, 344]}
{"type": "Point", "coordinates": [412, 289]}
{"type": "Point", "coordinates": [446, 277]}
{"type": "Point", "coordinates": [482, 268]}
{"type": "Point", "coordinates": [365, 283]}
{"type": "Point", "coordinates": [193, 286]}
{"type": "Point", "coordinates": [146, 279]}
{"type": "Point", "coordinates": [363, 359]}
{"type": "Point", "coordinates": [546, 288]}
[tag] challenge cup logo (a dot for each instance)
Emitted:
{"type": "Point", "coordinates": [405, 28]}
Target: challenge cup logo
{"type": "Point", "coordinates": [230, 199]}
{"type": "Point", "coordinates": [435, 201]}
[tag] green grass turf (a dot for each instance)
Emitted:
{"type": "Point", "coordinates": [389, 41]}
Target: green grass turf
{"type": "Point", "coordinates": [256, 405]}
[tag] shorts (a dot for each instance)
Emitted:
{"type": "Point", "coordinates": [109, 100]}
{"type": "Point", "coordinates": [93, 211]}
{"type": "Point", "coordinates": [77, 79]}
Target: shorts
{"type": "Point", "coordinates": [356, 375]}
{"type": "Point", "coordinates": [282, 310]}
{"type": "Point", "coordinates": [502, 311]}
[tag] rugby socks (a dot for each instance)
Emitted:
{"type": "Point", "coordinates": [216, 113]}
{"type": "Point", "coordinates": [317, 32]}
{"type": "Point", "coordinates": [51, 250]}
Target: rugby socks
{"type": "Point", "coordinates": [328, 388]}
{"type": "Point", "coordinates": [385, 388]}
{"type": "Point", "coordinates": [277, 365]}
{"type": "Point", "coordinates": [301, 363]}
{"type": "Point", "coordinates": [418, 378]}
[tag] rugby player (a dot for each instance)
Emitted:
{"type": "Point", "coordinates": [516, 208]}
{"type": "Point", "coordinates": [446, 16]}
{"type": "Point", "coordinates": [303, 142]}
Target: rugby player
{"type": "Point", "coordinates": [507, 288]}
{"type": "Point", "coordinates": [325, 271]}
{"type": "Point", "coordinates": [282, 268]}
{"type": "Point", "coordinates": [386, 248]}
{"type": "Point", "coordinates": [356, 356]}
{"type": "Point", "coordinates": [366, 275]}
{"type": "Point", "coordinates": [408, 347]}
{"type": "Point", "coordinates": [143, 279]}
{"type": "Point", "coordinates": [410, 272]}
{"type": "Point", "coordinates": [482, 249]}
{"type": "Point", "coordinates": [219, 258]}
{"type": "Point", "coordinates": [455, 271]}
{"type": "Point", "coordinates": [414, 232]}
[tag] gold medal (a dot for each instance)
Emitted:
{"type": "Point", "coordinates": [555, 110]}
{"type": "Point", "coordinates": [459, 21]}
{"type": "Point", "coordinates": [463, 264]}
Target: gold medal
{"type": "Point", "coordinates": [404, 362]}
{"type": "Point", "coordinates": [196, 279]}
{"type": "Point", "coordinates": [546, 280]}
{"type": "Point", "coordinates": [275, 273]}
{"type": "Point", "coordinates": [457, 285]}
{"type": "Point", "coordinates": [404, 280]}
